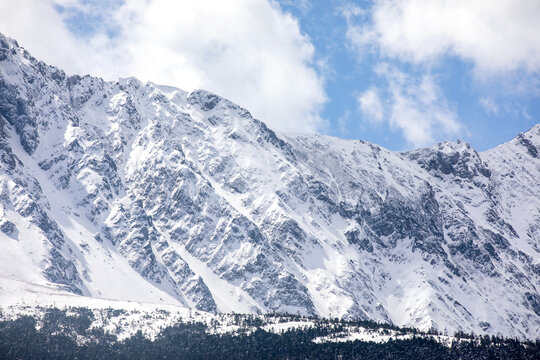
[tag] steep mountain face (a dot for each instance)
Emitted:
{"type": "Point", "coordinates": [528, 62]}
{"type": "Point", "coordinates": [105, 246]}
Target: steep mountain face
{"type": "Point", "coordinates": [141, 192]}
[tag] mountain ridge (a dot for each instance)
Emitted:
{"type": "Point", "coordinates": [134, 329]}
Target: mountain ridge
{"type": "Point", "coordinates": [194, 202]}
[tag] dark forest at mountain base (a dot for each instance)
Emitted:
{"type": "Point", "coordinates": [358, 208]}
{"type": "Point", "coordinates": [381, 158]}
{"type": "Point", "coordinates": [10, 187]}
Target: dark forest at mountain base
{"type": "Point", "coordinates": [62, 336]}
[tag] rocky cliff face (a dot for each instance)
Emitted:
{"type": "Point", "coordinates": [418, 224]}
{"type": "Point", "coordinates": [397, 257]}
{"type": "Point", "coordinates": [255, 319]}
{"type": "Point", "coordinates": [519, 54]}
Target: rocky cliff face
{"type": "Point", "coordinates": [142, 192]}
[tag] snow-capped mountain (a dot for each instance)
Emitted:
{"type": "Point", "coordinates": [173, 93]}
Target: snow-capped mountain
{"type": "Point", "coordinates": [131, 191]}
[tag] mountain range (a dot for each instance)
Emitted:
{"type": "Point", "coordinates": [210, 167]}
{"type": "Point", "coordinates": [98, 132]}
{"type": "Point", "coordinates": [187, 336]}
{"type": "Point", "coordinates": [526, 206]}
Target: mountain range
{"type": "Point", "coordinates": [126, 190]}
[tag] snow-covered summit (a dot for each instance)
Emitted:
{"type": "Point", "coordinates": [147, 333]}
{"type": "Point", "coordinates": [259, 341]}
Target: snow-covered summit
{"type": "Point", "coordinates": [131, 191]}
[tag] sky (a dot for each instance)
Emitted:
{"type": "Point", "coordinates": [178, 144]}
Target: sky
{"type": "Point", "coordinates": [399, 73]}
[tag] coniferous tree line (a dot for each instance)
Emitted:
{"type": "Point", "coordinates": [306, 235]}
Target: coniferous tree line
{"type": "Point", "coordinates": [59, 332]}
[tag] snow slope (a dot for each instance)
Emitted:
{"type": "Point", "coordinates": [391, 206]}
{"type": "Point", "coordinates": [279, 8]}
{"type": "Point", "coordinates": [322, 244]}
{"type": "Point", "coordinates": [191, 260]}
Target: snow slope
{"type": "Point", "coordinates": [139, 192]}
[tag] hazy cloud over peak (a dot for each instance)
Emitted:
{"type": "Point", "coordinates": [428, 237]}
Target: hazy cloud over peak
{"type": "Point", "coordinates": [416, 107]}
{"type": "Point", "coordinates": [249, 51]}
{"type": "Point", "coordinates": [370, 104]}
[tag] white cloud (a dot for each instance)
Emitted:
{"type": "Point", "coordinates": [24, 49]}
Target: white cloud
{"type": "Point", "coordinates": [39, 28]}
{"type": "Point", "coordinates": [249, 51]}
{"type": "Point", "coordinates": [351, 11]}
{"type": "Point", "coordinates": [343, 122]}
{"type": "Point", "coordinates": [302, 5]}
{"type": "Point", "coordinates": [496, 36]}
{"type": "Point", "coordinates": [370, 104]}
{"type": "Point", "coordinates": [489, 106]}
{"type": "Point", "coordinates": [417, 107]}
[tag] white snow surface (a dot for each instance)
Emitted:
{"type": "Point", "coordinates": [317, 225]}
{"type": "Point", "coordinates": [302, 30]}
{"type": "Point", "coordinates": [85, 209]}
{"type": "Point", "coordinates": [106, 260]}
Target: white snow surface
{"type": "Point", "coordinates": [141, 193]}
